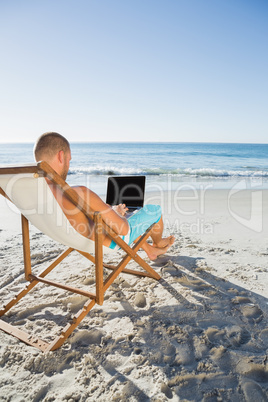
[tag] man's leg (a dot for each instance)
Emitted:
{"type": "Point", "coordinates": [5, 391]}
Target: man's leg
{"type": "Point", "coordinates": [157, 232]}
{"type": "Point", "coordinates": [148, 216]}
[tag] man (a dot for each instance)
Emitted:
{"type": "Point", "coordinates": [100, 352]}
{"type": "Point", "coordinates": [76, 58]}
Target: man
{"type": "Point", "coordinates": [55, 150]}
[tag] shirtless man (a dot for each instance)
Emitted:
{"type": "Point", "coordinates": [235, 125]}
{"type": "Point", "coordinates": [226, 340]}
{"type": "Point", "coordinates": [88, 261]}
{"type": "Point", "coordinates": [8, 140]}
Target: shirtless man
{"type": "Point", "coordinates": [55, 150]}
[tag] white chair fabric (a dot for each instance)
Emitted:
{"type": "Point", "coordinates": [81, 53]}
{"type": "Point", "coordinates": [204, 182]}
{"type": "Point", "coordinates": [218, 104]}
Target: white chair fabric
{"type": "Point", "coordinates": [35, 200]}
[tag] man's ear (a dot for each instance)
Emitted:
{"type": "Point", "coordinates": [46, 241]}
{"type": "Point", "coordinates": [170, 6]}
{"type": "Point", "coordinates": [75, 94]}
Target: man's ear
{"type": "Point", "coordinates": [60, 156]}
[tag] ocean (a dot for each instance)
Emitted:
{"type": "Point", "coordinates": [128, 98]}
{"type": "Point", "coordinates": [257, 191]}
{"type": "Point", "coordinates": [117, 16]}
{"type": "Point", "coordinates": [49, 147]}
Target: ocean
{"type": "Point", "coordinates": [169, 166]}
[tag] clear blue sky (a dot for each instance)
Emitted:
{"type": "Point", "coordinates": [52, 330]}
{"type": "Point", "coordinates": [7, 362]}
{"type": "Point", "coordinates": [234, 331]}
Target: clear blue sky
{"type": "Point", "coordinates": [134, 70]}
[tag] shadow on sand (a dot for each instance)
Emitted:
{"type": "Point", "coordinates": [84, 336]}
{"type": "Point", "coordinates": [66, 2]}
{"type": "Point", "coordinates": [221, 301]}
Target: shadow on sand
{"type": "Point", "coordinates": [197, 338]}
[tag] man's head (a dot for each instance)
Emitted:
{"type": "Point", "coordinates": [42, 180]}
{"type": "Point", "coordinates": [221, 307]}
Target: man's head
{"type": "Point", "coordinates": [54, 149]}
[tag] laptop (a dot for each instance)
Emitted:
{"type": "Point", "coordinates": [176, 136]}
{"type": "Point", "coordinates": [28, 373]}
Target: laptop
{"type": "Point", "coordinates": [127, 190]}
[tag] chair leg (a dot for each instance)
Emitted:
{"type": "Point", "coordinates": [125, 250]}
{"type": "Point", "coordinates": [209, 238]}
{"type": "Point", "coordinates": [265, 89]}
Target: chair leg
{"type": "Point", "coordinates": [23, 336]}
{"type": "Point", "coordinates": [26, 247]}
{"type": "Point", "coordinates": [66, 332]}
{"type": "Point", "coordinates": [132, 251]}
{"type": "Point", "coordinates": [98, 258]}
{"type": "Point", "coordinates": [132, 254]}
{"type": "Point", "coordinates": [59, 340]}
{"type": "Point", "coordinates": [13, 330]}
{"type": "Point", "coordinates": [30, 285]}
{"type": "Point", "coordinates": [114, 267]}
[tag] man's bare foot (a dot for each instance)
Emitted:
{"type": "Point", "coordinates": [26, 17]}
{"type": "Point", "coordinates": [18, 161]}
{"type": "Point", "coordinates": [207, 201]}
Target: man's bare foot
{"type": "Point", "coordinates": [154, 251]}
{"type": "Point", "coordinates": [165, 242]}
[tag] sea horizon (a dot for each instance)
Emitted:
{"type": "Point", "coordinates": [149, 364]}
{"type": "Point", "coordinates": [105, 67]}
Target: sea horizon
{"type": "Point", "coordinates": [141, 142]}
{"type": "Point", "coordinates": [169, 165]}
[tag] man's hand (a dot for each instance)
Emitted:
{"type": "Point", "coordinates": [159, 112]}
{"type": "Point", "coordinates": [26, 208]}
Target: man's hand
{"type": "Point", "coordinates": [120, 209]}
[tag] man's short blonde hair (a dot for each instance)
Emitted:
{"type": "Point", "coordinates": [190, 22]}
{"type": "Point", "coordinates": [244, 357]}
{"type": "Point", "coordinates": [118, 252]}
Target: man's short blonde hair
{"type": "Point", "coordinates": [48, 145]}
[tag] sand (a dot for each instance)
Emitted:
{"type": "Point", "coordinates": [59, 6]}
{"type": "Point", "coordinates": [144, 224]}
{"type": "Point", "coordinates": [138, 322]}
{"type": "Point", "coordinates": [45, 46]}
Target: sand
{"type": "Point", "coordinates": [198, 334]}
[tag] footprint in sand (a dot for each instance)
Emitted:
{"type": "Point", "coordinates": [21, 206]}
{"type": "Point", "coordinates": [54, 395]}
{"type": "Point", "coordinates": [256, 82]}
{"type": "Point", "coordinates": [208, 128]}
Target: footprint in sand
{"type": "Point", "coordinates": [258, 373]}
{"type": "Point", "coordinates": [194, 284]}
{"type": "Point", "coordinates": [264, 336]}
{"type": "Point", "coordinates": [253, 392]}
{"type": "Point", "coordinates": [86, 337]}
{"type": "Point", "coordinates": [229, 336]}
{"type": "Point", "coordinates": [250, 310]}
{"type": "Point", "coordinates": [168, 352]}
{"type": "Point", "coordinates": [184, 355]}
{"type": "Point", "coordinates": [237, 335]}
{"type": "Point", "coordinates": [217, 336]}
{"type": "Point", "coordinates": [252, 371]}
{"type": "Point", "coordinates": [241, 300]}
{"type": "Point", "coordinates": [171, 270]}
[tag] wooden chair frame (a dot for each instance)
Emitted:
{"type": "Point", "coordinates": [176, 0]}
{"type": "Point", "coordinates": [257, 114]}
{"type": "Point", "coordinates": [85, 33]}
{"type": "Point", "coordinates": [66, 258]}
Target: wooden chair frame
{"type": "Point", "coordinates": [42, 169]}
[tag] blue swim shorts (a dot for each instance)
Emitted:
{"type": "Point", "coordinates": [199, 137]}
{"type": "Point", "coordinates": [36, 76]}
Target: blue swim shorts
{"type": "Point", "coordinates": [139, 222]}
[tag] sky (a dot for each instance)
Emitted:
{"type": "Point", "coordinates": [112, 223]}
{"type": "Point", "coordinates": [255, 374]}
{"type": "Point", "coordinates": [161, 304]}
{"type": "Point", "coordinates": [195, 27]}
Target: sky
{"type": "Point", "coordinates": [134, 70]}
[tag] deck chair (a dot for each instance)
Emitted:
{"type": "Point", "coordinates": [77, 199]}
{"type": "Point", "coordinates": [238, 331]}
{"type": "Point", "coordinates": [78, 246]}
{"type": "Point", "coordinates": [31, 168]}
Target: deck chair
{"type": "Point", "coordinates": [26, 186]}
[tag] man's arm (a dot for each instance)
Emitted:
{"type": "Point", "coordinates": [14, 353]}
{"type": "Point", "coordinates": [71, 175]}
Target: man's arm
{"type": "Point", "coordinates": [85, 226]}
{"type": "Point", "coordinates": [113, 217]}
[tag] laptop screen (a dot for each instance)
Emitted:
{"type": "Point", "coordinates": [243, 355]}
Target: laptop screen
{"type": "Point", "coordinates": [127, 190]}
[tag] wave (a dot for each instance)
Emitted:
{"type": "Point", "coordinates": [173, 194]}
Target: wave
{"type": "Point", "coordinates": [205, 172]}
{"type": "Point", "coordinates": [105, 171]}
{"type": "Point", "coordinates": [190, 172]}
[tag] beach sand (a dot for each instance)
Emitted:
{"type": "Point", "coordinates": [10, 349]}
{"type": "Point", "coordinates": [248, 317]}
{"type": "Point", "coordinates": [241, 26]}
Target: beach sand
{"type": "Point", "coordinates": [198, 334]}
